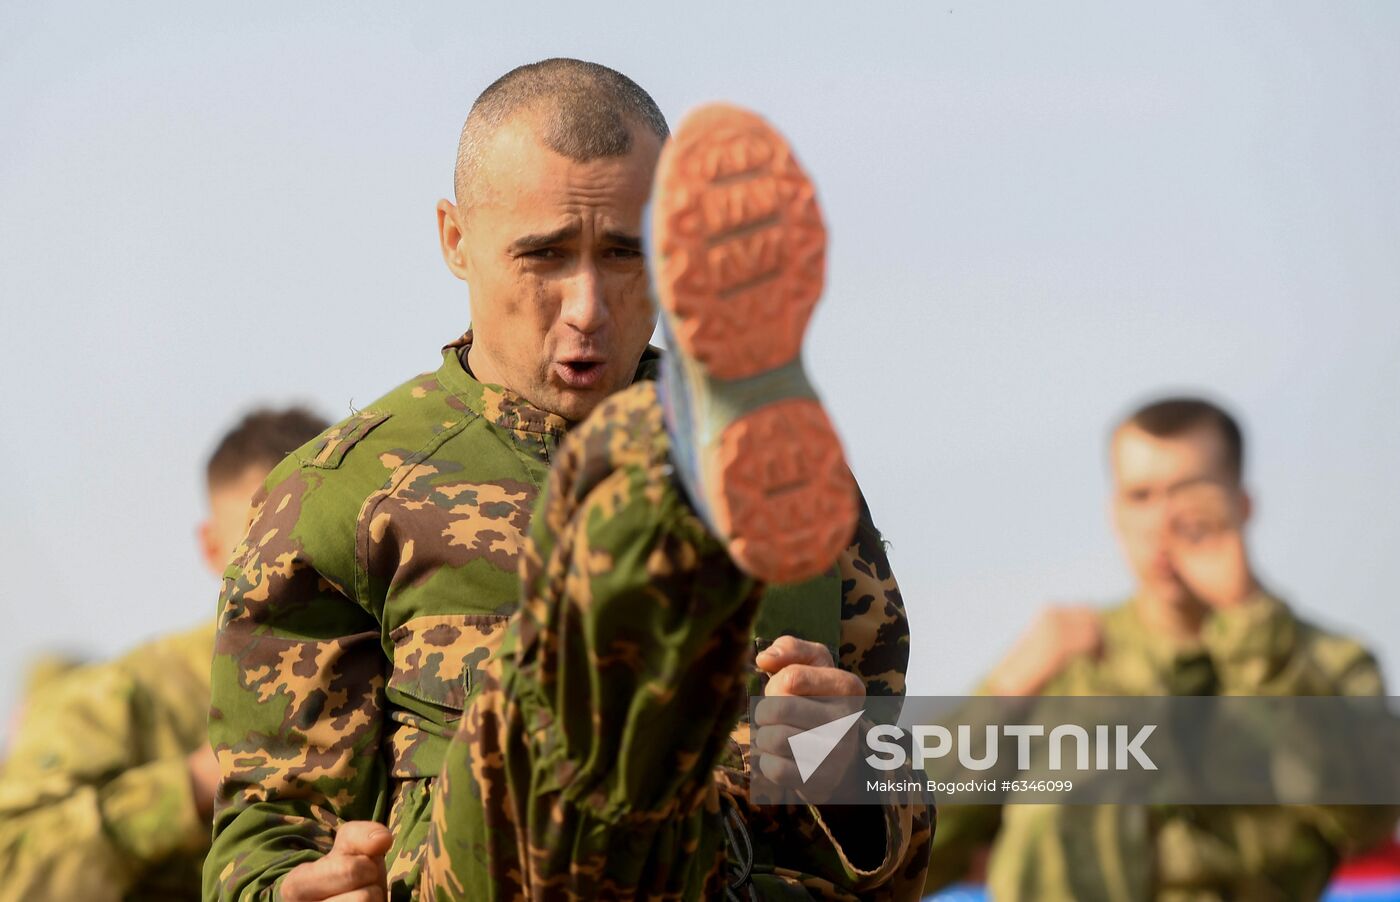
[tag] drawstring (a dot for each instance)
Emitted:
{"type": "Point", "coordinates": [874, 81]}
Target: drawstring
{"type": "Point", "coordinates": [740, 862]}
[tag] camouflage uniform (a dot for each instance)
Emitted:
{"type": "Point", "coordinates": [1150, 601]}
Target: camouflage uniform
{"type": "Point", "coordinates": [1177, 853]}
{"type": "Point", "coordinates": [95, 797]}
{"type": "Point", "coordinates": [361, 611]}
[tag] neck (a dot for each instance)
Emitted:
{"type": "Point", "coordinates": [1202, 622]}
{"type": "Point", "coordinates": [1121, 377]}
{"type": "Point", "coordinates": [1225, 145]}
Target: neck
{"type": "Point", "coordinates": [481, 367]}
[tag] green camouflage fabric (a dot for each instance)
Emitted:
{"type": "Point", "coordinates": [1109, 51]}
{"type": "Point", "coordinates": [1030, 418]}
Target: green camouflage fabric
{"type": "Point", "coordinates": [359, 615]}
{"type": "Point", "coordinates": [1105, 852]}
{"type": "Point", "coordinates": [599, 760]}
{"type": "Point", "coordinates": [95, 796]}
{"type": "Point", "coordinates": [47, 669]}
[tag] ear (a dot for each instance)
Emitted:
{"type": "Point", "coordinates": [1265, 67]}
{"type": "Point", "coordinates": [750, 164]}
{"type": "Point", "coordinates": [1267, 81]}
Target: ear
{"type": "Point", "coordinates": [215, 558]}
{"type": "Point", "coordinates": [1246, 506]}
{"type": "Point", "coordinates": [450, 237]}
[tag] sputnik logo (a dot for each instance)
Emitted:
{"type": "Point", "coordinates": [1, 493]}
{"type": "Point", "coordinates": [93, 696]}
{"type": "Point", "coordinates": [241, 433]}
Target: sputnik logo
{"type": "Point", "coordinates": [811, 747]}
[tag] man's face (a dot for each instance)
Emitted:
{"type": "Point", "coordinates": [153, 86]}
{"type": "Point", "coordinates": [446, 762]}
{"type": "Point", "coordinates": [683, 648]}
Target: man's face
{"type": "Point", "coordinates": [1151, 476]}
{"type": "Point", "coordinates": [551, 250]}
{"type": "Point", "coordinates": [229, 501]}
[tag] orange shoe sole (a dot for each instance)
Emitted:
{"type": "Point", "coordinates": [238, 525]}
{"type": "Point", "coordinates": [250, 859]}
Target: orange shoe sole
{"type": "Point", "coordinates": [741, 253]}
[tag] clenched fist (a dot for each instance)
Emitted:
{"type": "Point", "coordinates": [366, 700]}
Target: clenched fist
{"type": "Point", "coordinates": [799, 669]}
{"type": "Point", "coordinates": [1207, 544]}
{"type": "Point", "coordinates": [352, 872]}
{"type": "Point", "coordinates": [1060, 634]}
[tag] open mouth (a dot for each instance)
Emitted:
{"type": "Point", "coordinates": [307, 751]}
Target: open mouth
{"type": "Point", "coordinates": [580, 373]}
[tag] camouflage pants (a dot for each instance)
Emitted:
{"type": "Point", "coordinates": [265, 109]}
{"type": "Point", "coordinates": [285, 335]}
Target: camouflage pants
{"type": "Point", "coordinates": [584, 767]}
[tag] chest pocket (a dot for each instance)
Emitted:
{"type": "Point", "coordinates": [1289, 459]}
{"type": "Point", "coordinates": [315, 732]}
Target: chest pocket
{"type": "Point", "coordinates": [439, 658]}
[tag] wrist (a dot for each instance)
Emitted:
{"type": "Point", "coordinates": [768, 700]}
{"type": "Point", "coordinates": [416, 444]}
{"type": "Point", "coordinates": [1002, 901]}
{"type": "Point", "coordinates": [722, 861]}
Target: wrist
{"type": "Point", "coordinates": [1015, 678]}
{"type": "Point", "coordinates": [1238, 595]}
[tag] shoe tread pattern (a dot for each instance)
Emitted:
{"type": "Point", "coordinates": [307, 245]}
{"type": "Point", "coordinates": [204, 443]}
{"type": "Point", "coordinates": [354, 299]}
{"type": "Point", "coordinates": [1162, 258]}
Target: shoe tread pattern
{"type": "Point", "coordinates": [741, 251]}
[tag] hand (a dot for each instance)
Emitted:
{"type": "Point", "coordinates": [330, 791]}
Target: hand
{"type": "Point", "coordinates": [204, 778]}
{"type": "Point", "coordinates": [352, 872]}
{"type": "Point", "coordinates": [798, 668]}
{"type": "Point", "coordinates": [1207, 544]}
{"type": "Point", "coordinates": [1058, 635]}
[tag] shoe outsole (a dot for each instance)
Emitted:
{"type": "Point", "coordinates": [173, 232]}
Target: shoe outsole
{"type": "Point", "coordinates": [741, 258]}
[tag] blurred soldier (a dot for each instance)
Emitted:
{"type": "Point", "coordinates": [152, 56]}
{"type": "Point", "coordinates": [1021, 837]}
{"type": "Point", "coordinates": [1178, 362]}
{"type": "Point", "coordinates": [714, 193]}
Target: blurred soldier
{"type": "Point", "coordinates": [382, 568]}
{"type": "Point", "coordinates": [109, 787]}
{"type": "Point", "coordinates": [1200, 623]}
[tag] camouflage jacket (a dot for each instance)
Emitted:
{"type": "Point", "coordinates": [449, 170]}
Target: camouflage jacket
{"type": "Point", "coordinates": [1119, 852]}
{"type": "Point", "coordinates": [357, 617]}
{"type": "Point", "coordinates": [95, 797]}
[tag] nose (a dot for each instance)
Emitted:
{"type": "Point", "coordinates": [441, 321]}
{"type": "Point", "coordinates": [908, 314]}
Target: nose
{"type": "Point", "coordinates": [584, 306]}
{"type": "Point", "coordinates": [1157, 526]}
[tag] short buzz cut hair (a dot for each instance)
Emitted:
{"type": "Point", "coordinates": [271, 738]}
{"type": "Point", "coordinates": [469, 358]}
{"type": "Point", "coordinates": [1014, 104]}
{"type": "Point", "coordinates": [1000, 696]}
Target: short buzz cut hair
{"type": "Point", "coordinates": [589, 111]}
{"type": "Point", "coordinates": [1174, 416]}
{"type": "Point", "coordinates": [261, 439]}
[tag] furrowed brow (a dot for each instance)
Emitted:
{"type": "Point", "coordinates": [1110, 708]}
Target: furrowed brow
{"type": "Point", "coordinates": [624, 240]}
{"type": "Point", "coordinates": [526, 243]}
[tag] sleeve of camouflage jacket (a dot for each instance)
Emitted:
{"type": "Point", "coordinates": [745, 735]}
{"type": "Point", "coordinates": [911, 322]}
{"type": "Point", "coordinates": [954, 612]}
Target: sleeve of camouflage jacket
{"type": "Point", "coordinates": [84, 811]}
{"type": "Point", "coordinates": [297, 691]}
{"type": "Point", "coordinates": [1262, 648]}
{"type": "Point", "coordinates": [868, 852]}
{"type": "Point", "coordinates": [875, 647]}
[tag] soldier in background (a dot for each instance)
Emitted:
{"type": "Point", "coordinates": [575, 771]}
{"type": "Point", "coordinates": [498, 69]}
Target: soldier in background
{"type": "Point", "coordinates": [108, 790]}
{"type": "Point", "coordinates": [382, 567]}
{"type": "Point", "coordinates": [1201, 623]}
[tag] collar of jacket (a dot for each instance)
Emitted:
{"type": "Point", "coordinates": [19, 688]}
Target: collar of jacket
{"type": "Point", "coordinates": [504, 407]}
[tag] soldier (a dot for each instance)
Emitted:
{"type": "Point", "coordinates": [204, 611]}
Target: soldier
{"type": "Point", "coordinates": [381, 572]}
{"type": "Point", "coordinates": [109, 788]}
{"type": "Point", "coordinates": [1201, 623]}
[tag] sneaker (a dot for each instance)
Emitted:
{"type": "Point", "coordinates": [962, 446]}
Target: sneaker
{"type": "Point", "coordinates": [738, 252]}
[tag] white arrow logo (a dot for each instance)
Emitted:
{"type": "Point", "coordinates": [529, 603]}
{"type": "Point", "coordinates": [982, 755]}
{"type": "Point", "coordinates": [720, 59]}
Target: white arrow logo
{"type": "Point", "coordinates": [810, 747]}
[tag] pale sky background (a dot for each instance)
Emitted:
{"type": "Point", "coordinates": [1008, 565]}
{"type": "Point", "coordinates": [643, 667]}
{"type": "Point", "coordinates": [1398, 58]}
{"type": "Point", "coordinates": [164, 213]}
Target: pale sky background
{"type": "Point", "coordinates": [1039, 214]}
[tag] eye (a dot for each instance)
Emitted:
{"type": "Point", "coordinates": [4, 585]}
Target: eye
{"type": "Point", "coordinates": [622, 253]}
{"type": "Point", "coordinates": [543, 253]}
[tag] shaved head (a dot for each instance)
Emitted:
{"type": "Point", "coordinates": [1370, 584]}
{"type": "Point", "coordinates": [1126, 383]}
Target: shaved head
{"type": "Point", "coordinates": [585, 111]}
